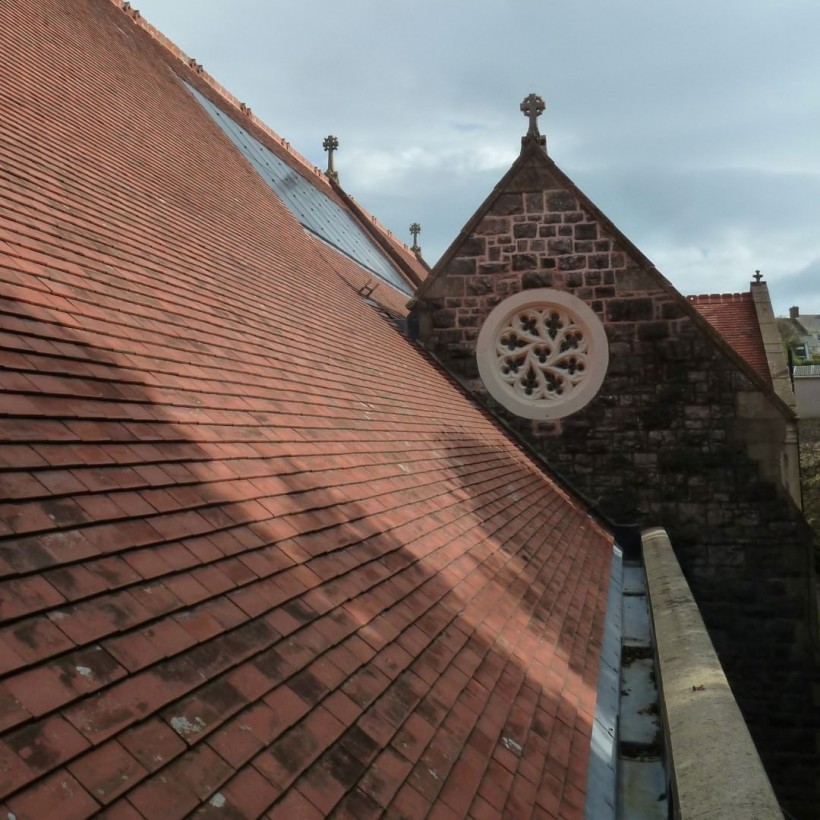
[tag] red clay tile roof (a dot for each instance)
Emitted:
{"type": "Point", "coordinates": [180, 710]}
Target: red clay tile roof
{"type": "Point", "coordinates": [733, 315]}
{"type": "Point", "coordinates": [258, 556]}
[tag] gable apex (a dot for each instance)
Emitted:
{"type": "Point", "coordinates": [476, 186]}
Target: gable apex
{"type": "Point", "coordinates": [537, 228]}
{"type": "Point", "coordinates": [533, 172]}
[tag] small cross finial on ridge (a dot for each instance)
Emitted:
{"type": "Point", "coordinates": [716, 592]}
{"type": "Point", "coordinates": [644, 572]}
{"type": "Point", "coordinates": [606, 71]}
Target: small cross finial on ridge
{"type": "Point", "coordinates": [415, 230]}
{"type": "Point", "coordinates": [758, 276]}
{"type": "Point", "coordinates": [331, 144]}
{"type": "Point", "coordinates": [533, 107]}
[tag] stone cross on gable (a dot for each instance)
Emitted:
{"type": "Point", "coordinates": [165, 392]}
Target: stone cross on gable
{"type": "Point", "coordinates": [533, 106]}
{"type": "Point", "coordinates": [758, 276]}
{"type": "Point", "coordinates": [330, 145]}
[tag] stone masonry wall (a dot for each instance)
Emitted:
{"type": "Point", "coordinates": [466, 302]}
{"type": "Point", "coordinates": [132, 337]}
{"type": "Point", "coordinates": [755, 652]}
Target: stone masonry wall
{"type": "Point", "coordinates": [661, 444]}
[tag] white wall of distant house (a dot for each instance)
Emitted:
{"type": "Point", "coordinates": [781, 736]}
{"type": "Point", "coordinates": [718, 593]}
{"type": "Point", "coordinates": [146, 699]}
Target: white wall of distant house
{"type": "Point", "coordinates": [807, 392]}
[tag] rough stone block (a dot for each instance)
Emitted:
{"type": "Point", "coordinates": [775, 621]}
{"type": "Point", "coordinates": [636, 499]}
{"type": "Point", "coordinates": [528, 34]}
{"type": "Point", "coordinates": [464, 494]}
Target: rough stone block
{"type": "Point", "coordinates": [561, 201]}
{"type": "Point", "coordinates": [475, 246]}
{"type": "Point", "coordinates": [491, 226]}
{"type": "Point", "coordinates": [633, 279]}
{"type": "Point", "coordinates": [650, 331]}
{"type": "Point", "coordinates": [492, 267]}
{"type": "Point", "coordinates": [629, 310]}
{"type": "Point", "coordinates": [480, 286]}
{"type": "Point", "coordinates": [573, 262]}
{"type": "Point", "coordinates": [524, 261]}
{"type": "Point", "coordinates": [525, 230]}
{"type": "Point", "coordinates": [508, 204]}
{"type": "Point", "coordinates": [536, 279]}
{"type": "Point", "coordinates": [599, 261]}
{"type": "Point", "coordinates": [444, 319]}
{"type": "Point", "coordinates": [461, 267]}
{"type": "Point", "coordinates": [559, 246]}
{"type": "Point", "coordinates": [534, 203]}
{"type": "Point", "coordinates": [586, 230]}
{"type": "Point", "coordinates": [671, 310]}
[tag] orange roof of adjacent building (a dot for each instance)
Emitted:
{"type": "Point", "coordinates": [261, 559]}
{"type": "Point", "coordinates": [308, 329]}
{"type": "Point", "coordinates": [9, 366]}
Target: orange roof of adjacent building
{"type": "Point", "coordinates": [258, 554]}
{"type": "Point", "coordinates": [733, 315]}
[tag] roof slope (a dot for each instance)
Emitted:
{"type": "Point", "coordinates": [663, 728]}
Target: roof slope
{"type": "Point", "coordinates": [733, 315]}
{"type": "Point", "coordinates": [257, 554]}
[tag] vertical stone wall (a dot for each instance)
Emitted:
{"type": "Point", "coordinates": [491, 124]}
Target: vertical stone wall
{"type": "Point", "coordinates": [663, 443]}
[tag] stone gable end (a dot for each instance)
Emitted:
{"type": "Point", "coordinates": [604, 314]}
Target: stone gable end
{"type": "Point", "coordinates": [672, 392]}
{"type": "Point", "coordinates": [680, 435]}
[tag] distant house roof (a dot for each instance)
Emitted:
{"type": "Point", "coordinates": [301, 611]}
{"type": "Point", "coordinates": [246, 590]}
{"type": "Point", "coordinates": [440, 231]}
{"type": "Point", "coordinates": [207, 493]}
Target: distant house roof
{"type": "Point", "coordinates": [733, 315]}
{"type": "Point", "coordinates": [258, 554]}
{"type": "Point", "coordinates": [807, 328]}
{"type": "Point", "coordinates": [810, 321]}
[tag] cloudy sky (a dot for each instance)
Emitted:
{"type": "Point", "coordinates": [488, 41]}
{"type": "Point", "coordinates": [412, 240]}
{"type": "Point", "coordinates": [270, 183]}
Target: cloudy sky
{"type": "Point", "coordinates": [694, 126]}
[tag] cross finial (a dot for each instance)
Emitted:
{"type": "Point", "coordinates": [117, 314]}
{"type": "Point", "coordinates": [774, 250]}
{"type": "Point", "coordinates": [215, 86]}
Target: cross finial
{"type": "Point", "coordinates": [533, 106]}
{"type": "Point", "coordinates": [758, 276]}
{"type": "Point", "coordinates": [330, 145]}
{"type": "Point", "coordinates": [415, 230]}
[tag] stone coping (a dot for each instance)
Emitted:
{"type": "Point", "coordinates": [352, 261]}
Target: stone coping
{"type": "Point", "coordinates": [713, 765]}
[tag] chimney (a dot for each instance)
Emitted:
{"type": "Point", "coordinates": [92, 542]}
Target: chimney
{"type": "Point", "coordinates": [794, 312]}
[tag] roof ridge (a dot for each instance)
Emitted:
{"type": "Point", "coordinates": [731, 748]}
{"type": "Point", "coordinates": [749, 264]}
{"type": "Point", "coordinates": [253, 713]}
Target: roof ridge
{"type": "Point", "coordinates": [718, 298]}
{"type": "Point", "coordinates": [227, 96]}
{"type": "Point", "coordinates": [170, 46]}
{"type": "Point", "coordinates": [383, 229]}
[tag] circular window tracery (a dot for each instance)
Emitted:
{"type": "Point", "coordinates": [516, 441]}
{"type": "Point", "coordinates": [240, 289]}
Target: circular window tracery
{"type": "Point", "coordinates": [542, 353]}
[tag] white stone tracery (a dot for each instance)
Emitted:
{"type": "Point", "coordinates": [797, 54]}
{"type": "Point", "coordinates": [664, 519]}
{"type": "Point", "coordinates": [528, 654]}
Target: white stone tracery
{"type": "Point", "coordinates": [542, 354]}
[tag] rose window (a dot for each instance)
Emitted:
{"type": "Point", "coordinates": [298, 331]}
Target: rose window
{"type": "Point", "coordinates": [542, 354]}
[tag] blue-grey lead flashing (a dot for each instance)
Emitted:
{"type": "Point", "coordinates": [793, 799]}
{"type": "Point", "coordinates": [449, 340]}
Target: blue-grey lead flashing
{"type": "Point", "coordinates": [317, 213]}
{"type": "Point", "coordinates": [601, 802]}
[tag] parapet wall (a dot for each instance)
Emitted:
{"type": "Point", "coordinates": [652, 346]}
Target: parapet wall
{"type": "Point", "coordinates": [715, 769]}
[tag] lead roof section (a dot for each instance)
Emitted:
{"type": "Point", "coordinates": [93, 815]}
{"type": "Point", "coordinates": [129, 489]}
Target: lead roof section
{"type": "Point", "coordinates": [258, 556]}
{"type": "Point", "coordinates": [316, 211]}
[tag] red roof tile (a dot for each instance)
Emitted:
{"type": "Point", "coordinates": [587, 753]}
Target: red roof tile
{"type": "Point", "coordinates": [733, 315]}
{"type": "Point", "coordinates": [257, 552]}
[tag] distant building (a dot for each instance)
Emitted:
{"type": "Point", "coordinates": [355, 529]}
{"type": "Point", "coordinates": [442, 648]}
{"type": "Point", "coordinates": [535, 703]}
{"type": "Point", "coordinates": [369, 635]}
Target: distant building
{"type": "Point", "coordinates": [807, 332]}
{"type": "Point", "coordinates": [807, 390]}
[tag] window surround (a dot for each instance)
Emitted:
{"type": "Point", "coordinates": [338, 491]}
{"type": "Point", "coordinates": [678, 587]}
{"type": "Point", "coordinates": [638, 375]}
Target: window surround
{"type": "Point", "coordinates": [542, 354]}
